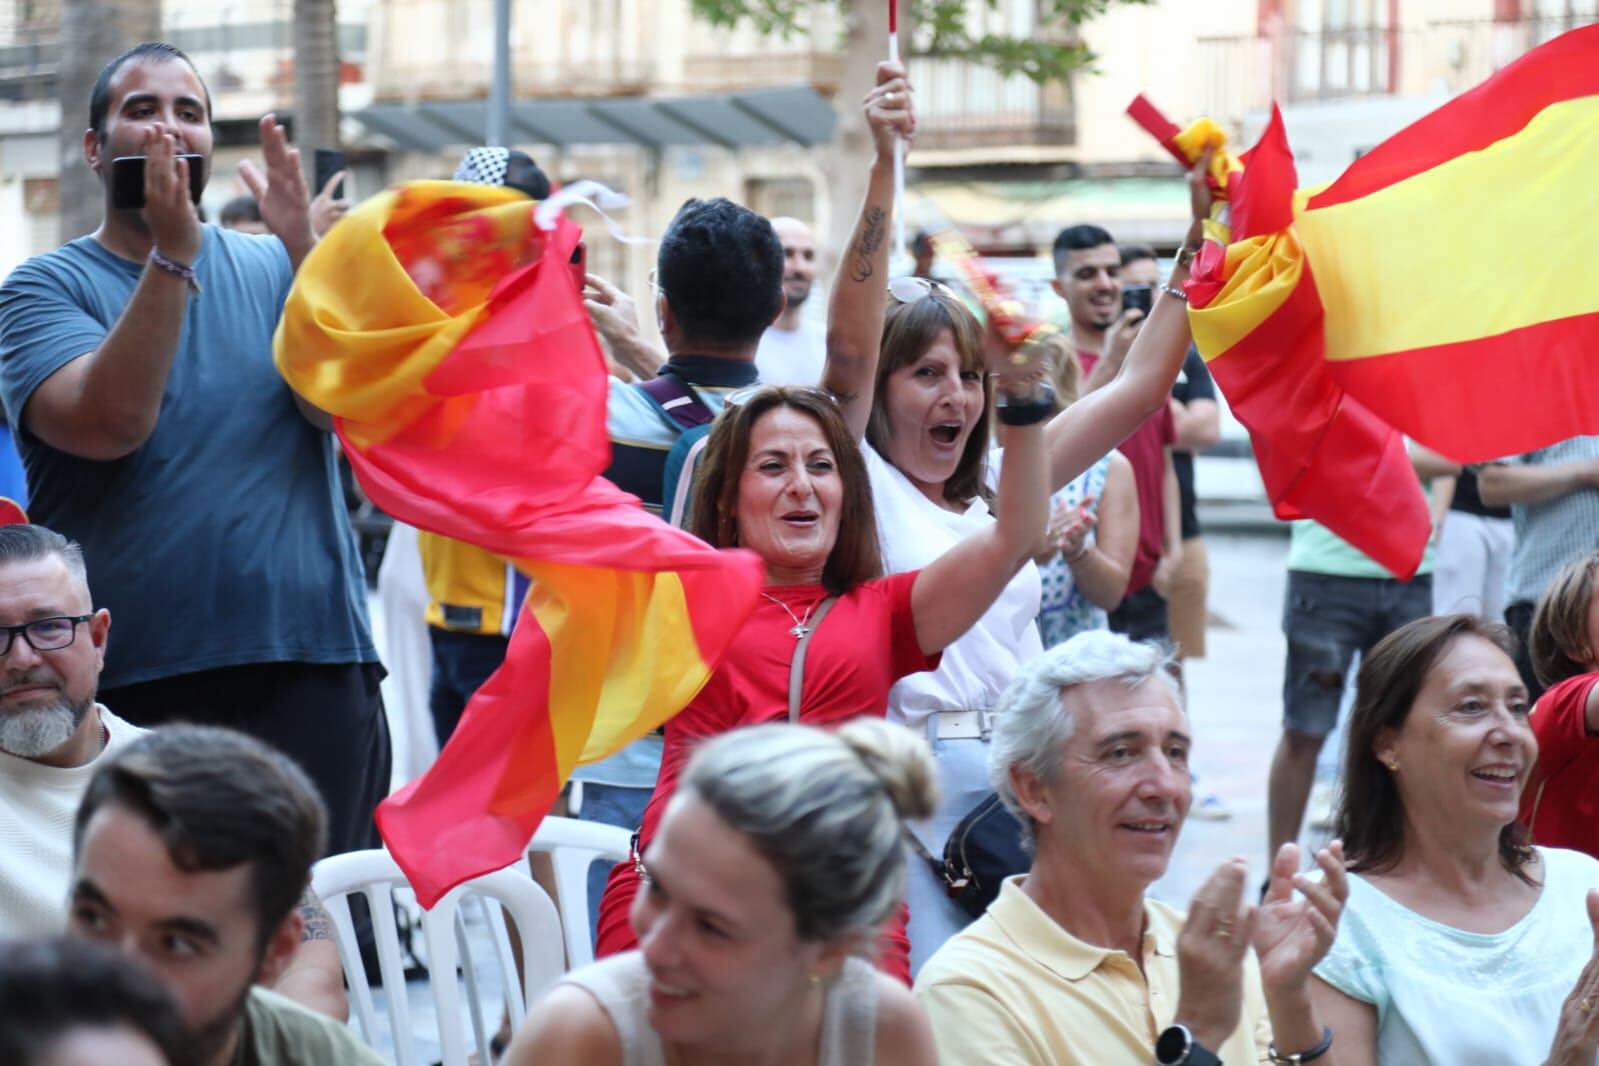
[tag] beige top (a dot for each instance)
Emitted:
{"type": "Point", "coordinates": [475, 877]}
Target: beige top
{"type": "Point", "coordinates": [1015, 989]}
{"type": "Point", "coordinates": [621, 984]}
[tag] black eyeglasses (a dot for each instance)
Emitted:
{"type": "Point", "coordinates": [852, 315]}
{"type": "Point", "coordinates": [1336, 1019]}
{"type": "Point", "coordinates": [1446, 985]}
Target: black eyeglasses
{"type": "Point", "coordinates": [44, 634]}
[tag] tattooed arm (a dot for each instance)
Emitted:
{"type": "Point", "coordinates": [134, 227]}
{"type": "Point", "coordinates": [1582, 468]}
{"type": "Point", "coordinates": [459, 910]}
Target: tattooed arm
{"type": "Point", "coordinates": [855, 316]}
{"type": "Point", "coordinates": [314, 977]}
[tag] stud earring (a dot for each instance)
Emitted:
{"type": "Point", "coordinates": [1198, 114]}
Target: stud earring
{"type": "Point", "coordinates": [1392, 764]}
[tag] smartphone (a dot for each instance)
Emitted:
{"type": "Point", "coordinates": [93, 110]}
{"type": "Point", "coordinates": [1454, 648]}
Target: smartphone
{"type": "Point", "coordinates": [127, 180]}
{"type": "Point", "coordinates": [329, 161]}
{"type": "Point", "coordinates": [1139, 296]}
{"type": "Point", "coordinates": [579, 264]}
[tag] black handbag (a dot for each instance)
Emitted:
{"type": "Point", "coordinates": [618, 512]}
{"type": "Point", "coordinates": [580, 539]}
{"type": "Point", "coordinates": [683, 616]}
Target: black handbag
{"type": "Point", "coordinates": [982, 850]}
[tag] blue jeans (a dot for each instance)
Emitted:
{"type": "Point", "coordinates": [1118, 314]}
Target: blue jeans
{"type": "Point", "coordinates": [963, 776]}
{"type": "Point", "coordinates": [461, 663]}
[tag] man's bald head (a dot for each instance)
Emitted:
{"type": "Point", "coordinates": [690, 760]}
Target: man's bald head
{"type": "Point", "coordinates": [799, 260]}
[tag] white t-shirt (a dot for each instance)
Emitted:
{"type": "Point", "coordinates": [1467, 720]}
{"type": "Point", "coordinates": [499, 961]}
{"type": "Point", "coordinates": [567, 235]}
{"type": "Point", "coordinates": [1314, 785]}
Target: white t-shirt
{"type": "Point", "coordinates": [976, 668]}
{"type": "Point", "coordinates": [792, 356]}
{"type": "Point", "coordinates": [37, 806]}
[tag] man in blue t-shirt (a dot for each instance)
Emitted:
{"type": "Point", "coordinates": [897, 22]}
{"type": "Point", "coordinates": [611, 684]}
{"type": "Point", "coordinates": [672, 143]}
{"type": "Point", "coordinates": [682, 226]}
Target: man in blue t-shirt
{"type": "Point", "coordinates": [136, 370]}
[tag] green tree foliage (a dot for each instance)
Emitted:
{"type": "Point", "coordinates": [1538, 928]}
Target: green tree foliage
{"type": "Point", "coordinates": [1054, 53]}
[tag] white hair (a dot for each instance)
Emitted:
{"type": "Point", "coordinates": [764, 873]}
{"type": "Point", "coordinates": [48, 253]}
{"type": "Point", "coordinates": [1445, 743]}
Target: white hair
{"type": "Point", "coordinates": [1033, 722]}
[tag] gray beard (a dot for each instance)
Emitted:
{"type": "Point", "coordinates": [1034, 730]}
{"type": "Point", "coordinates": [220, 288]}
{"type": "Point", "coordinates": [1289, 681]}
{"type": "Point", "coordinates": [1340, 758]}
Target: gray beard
{"type": "Point", "coordinates": [37, 731]}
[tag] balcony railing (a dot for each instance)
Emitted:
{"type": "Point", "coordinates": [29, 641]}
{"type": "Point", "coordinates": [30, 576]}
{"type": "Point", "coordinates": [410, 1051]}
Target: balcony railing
{"type": "Point", "coordinates": [963, 105]}
{"type": "Point", "coordinates": [244, 49]}
{"type": "Point", "coordinates": [1240, 75]}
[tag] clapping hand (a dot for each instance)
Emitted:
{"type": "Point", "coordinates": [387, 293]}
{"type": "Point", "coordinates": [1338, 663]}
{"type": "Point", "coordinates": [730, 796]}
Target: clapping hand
{"type": "Point", "coordinates": [1293, 934]}
{"type": "Point", "coordinates": [1577, 1038]}
{"type": "Point", "coordinates": [1210, 956]}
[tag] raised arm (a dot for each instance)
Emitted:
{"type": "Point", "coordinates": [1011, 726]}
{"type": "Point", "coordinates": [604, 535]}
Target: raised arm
{"type": "Point", "coordinates": [855, 312]}
{"type": "Point", "coordinates": [952, 593]}
{"type": "Point", "coordinates": [104, 404]}
{"type": "Point", "coordinates": [1105, 417]}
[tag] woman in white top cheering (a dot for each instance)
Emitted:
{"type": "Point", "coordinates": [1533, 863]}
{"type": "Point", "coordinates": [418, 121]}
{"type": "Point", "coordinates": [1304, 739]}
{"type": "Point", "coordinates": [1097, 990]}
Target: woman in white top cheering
{"type": "Point", "coordinates": [905, 363]}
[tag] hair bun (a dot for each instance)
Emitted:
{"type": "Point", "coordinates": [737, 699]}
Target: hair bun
{"type": "Point", "coordinates": [900, 760]}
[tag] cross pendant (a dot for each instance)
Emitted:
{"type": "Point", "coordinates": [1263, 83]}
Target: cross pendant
{"type": "Point", "coordinates": [799, 632]}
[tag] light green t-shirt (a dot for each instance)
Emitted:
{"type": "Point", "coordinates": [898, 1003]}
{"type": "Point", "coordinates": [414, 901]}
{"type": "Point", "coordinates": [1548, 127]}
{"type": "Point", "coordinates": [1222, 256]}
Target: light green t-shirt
{"type": "Point", "coordinates": [1315, 549]}
{"type": "Point", "coordinates": [279, 1032]}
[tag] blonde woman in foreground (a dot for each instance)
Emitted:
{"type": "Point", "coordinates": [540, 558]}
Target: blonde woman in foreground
{"type": "Point", "coordinates": [775, 866]}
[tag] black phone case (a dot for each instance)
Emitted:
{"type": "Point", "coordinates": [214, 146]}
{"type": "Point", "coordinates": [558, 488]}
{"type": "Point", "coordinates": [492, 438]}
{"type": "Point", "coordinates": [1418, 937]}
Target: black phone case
{"type": "Point", "coordinates": [127, 180]}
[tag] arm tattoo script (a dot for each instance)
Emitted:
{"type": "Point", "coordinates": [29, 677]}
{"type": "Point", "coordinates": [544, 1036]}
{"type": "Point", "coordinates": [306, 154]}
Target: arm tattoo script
{"type": "Point", "coordinates": [871, 240]}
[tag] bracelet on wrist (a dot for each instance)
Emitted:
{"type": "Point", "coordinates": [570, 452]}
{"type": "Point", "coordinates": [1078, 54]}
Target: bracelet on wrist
{"type": "Point", "coordinates": [1080, 553]}
{"type": "Point", "coordinates": [1173, 290]}
{"type": "Point", "coordinates": [1321, 1048]}
{"type": "Point", "coordinates": [1026, 410]}
{"type": "Point", "coordinates": [172, 266]}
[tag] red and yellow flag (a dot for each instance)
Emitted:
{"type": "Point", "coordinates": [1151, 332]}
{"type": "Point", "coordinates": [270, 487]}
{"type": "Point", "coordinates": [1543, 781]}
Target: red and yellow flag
{"type": "Point", "coordinates": [1442, 288]}
{"type": "Point", "coordinates": [442, 330]}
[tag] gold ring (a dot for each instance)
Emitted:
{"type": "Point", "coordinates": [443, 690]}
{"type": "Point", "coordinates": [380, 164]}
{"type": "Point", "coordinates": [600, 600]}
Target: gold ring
{"type": "Point", "coordinates": [1586, 1004]}
{"type": "Point", "coordinates": [1224, 929]}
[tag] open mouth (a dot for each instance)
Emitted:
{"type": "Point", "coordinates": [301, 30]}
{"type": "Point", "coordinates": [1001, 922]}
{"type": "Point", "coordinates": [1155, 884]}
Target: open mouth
{"type": "Point", "coordinates": [802, 519]}
{"type": "Point", "coordinates": [946, 432]}
{"type": "Point", "coordinates": [1147, 828]}
{"type": "Point", "coordinates": [1496, 775]}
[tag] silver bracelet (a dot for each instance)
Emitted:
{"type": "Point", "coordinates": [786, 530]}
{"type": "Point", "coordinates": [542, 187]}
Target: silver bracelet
{"type": "Point", "coordinates": [1172, 290]}
{"type": "Point", "coordinates": [172, 266]}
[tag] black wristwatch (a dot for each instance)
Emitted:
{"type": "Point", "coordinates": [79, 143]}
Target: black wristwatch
{"type": "Point", "coordinates": [1177, 1047]}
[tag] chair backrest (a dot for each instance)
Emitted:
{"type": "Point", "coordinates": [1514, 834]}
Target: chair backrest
{"type": "Point", "coordinates": [375, 875]}
{"type": "Point", "coordinates": [572, 846]}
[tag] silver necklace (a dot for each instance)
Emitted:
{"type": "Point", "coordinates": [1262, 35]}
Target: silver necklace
{"type": "Point", "coordinates": [800, 629]}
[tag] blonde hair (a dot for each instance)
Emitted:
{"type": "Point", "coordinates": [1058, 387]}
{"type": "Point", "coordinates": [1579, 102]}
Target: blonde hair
{"type": "Point", "coordinates": [1558, 641]}
{"type": "Point", "coordinates": [1067, 371]}
{"type": "Point", "coordinates": [826, 809]}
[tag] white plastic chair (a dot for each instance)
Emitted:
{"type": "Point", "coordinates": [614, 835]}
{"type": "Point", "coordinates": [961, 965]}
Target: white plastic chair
{"type": "Point", "coordinates": [572, 846]}
{"type": "Point", "coordinates": [375, 875]}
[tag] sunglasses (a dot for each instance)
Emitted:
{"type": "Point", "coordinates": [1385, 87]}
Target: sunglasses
{"type": "Point", "coordinates": [739, 397]}
{"type": "Point", "coordinates": [909, 289]}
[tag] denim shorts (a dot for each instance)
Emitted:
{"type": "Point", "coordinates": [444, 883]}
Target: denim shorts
{"type": "Point", "coordinates": [1327, 619]}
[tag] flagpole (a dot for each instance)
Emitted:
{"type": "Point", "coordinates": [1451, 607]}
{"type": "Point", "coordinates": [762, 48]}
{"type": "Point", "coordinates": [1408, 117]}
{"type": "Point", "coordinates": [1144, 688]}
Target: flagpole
{"type": "Point", "coordinates": [899, 142]}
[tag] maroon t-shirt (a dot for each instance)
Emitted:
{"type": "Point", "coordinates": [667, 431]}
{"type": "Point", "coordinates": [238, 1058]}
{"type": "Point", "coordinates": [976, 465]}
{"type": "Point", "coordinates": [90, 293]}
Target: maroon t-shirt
{"type": "Point", "coordinates": [1146, 451]}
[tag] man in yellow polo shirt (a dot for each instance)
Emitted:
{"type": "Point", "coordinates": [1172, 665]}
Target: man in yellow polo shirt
{"type": "Point", "coordinates": [1072, 964]}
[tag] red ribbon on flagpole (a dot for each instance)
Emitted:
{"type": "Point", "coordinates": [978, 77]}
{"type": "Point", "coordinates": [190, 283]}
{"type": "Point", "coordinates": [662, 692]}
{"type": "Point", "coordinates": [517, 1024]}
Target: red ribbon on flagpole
{"type": "Point", "coordinates": [893, 16]}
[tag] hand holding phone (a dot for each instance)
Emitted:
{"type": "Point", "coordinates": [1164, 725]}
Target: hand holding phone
{"type": "Point", "coordinates": [1141, 297]}
{"type": "Point", "coordinates": [166, 185]}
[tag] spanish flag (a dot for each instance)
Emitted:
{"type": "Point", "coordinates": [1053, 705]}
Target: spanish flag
{"type": "Point", "coordinates": [442, 330]}
{"type": "Point", "coordinates": [1442, 288]}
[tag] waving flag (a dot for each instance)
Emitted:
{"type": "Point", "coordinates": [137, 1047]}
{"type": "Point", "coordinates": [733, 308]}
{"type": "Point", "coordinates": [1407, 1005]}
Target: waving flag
{"type": "Point", "coordinates": [1442, 288]}
{"type": "Point", "coordinates": [442, 330]}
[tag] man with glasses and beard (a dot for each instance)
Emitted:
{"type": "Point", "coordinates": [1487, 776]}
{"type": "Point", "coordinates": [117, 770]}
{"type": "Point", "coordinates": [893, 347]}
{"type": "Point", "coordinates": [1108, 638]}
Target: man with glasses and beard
{"type": "Point", "coordinates": [54, 736]}
{"type": "Point", "coordinates": [191, 851]}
